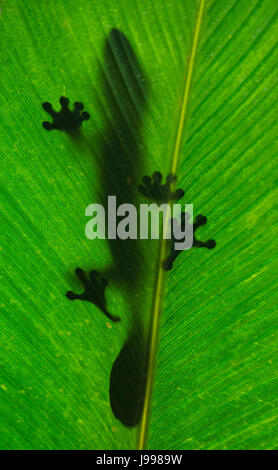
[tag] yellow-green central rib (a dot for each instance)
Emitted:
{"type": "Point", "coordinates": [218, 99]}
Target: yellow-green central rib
{"type": "Point", "coordinates": [159, 283]}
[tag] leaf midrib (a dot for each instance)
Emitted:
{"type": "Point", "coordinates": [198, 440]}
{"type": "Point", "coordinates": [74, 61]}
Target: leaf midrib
{"type": "Point", "coordinates": [160, 275]}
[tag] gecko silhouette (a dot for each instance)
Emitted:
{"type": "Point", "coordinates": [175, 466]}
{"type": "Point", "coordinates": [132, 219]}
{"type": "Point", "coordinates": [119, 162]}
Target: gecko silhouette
{"type": "Point", "coordinates": [127, 379]}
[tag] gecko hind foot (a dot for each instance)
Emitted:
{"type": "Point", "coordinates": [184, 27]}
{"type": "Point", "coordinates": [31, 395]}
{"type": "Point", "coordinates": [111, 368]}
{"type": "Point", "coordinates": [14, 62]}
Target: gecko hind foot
{"type": "Point", "coordinates": [200, 220]}
{"type": "Point", "coordinates": [94, 285]}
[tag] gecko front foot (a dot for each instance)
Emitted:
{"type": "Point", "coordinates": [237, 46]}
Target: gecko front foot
{"type": "Point", "coordinates": [65, 119]}
{"type": "Point", "coordinates": [95, 285]}
{"type": "Point", "coordinates": [153, 188]}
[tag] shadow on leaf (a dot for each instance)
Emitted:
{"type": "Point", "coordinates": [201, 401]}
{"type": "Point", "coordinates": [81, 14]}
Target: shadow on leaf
{"type": "Point", "coordinates": [125, 91]}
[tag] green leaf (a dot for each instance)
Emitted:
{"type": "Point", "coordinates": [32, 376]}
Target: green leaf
{"type": "Point", "coordinates": [189, 87]}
